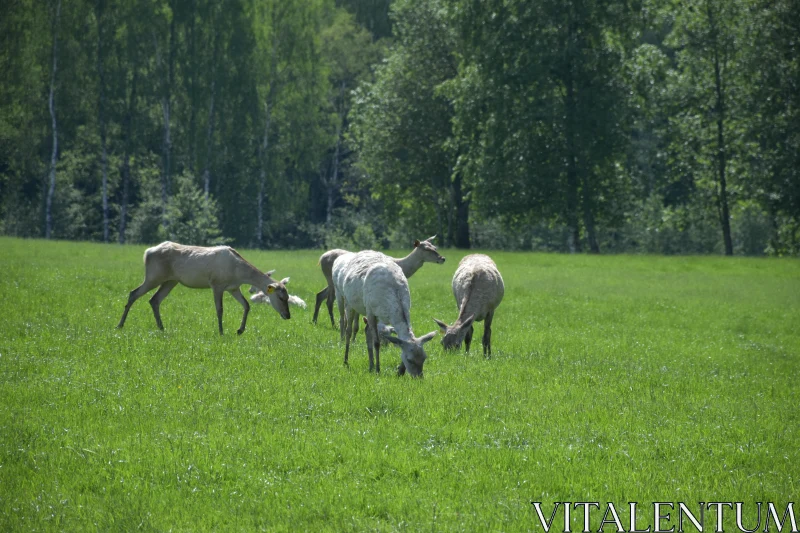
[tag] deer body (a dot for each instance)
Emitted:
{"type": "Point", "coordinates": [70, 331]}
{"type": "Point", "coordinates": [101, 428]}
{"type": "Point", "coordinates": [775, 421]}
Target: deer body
{"type": "Point", "coordinates": [423, 252]}
{"type": "Point", "coordinates": [478, 289]}
{"type": "Point", "coordinates": [219, 268]}
{"type": "Point", "coordinates": [372, 284]}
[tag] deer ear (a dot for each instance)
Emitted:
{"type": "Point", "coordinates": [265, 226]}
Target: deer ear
{"type": "Point", "coordinates": [395, 340]}
{"type": "Point", "coordinates": [426, 338]}
{"type": "Point", "coordinates": [270, 289]}
{"type": "Point", "coordinates": [468, 322]}
{"type": "Point", "coordinates": [441, 324]}
{"type": "Point", "coordinates": [416, 243]}
{"type": "Point", "coordinates": [429, 239]}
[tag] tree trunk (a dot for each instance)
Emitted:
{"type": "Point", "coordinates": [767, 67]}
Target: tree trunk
{"type": "Point", "coordinates": [333, 182]}
{"type": "Point", "coordinates": [573, 239]}
{"type": "Point", "coordinates": [126, 159]}
{"type": "Point", "coordinates": [570, 116]}
{"type": "Point", "coordinates": [166, 142]}
{"type": "Point", "coordinates": [52, 105]}
{"type": "Point", "coordinates": [210, 130]}
{"type": "Point", "coordinates": [209, 143]}
{"type": "Point", "coordinates": [462, 239]}
{"type": "Point", "coordinates": [724, 213]}
{"type": "Point", "coordinates": [192, 90]}
{"type": "Point", "coordinates": [722, 197]}
{"type": "Point", "coordinates": [262, 179]}
{"type": "Point", "coordinates": [101, 115]}
{"type": "Point", "coordinates": [588, 215]}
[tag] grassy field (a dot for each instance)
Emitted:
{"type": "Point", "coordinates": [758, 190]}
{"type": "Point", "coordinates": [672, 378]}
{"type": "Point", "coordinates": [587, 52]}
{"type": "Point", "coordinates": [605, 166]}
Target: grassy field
{"type": "Point", "coordinates": [613, 379]}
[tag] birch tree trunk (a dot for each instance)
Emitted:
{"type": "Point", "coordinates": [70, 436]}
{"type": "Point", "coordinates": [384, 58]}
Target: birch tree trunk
{"type": "Point", "coordinates": [209, 143]}
{"type": "Point", "coordinates": [99, 8]}
{"type": "Point", "coordinates": [462, 214]}
{"type": "Point", "coordinates": [719, 108]}
{"type": "Point", "coordinates": [570, 117]}
{"type": "Point", "coordinates": [210, 130]}
{"type": "Point", "coordinates": [333, 182]}
{"type": "Point", "coordinates": [126, 160]}
{"type": "Point", "coordinates": [192, 74]}
{"type": "Point", "coordinates": [52, 104]}
{"type": "Point", "coordinates": [262, 178]}
{"type": "Point", "coordinates": [166, 143]}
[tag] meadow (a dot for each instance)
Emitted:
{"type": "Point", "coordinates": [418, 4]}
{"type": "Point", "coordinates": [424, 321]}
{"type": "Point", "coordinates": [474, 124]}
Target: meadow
{"type": "Point", "coordinates": [613, 379]}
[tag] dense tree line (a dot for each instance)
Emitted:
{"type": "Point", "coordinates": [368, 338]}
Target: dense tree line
{"type": "Point", "coordinates": [569, 125]}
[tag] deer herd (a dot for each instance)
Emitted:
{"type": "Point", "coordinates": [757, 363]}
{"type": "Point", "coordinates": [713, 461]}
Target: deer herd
{"type": "Point", "coordinates": [367, 283]}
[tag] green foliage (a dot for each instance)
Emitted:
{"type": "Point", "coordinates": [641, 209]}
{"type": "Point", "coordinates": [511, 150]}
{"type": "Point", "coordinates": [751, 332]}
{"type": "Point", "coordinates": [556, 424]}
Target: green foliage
{"type": "Point", "coordinates": [540, 107]}
{"type": "Point", "coordinates": [611, 378]}
{"type": "Point", "coordinates": [402, 122]}
{"type": "Point", "coordinates": [146, 223]}
{"type": "Point", "coordinates": [499, 123]}
{"type": "Point", "coordinates": [192, 216]}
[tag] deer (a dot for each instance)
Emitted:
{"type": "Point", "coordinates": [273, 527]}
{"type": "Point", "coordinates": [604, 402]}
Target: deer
{"type": "Point", "coordinates": [372, 284]}
{"type": "Point", "coordinates": [423, 252]}
{"type": "Point", "coordinates": [478, 289]}
{"type": "Point", "coordinates": [219, 268]}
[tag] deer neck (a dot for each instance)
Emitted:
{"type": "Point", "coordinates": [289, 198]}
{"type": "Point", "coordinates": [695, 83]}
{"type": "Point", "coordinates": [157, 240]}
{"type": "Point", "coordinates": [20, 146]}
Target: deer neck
{"type": "Point", "coordinates": [465, 308]}
{"type": "Point", "coordinates": [403, 330]}
{"type": "Point", "coordinates": [410, 263]}
{"type": "Point", "coordinates": [253, 276]}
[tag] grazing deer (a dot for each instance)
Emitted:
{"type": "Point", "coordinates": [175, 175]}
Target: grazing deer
{"type": "Point", "coordinates": [373, 285]}
{"type": "Point", "coordinates": [478, 289]}
{"type": "Point", "coordinates": [423, 252]}
{"type": "Point", "coordinates": [219, 268]}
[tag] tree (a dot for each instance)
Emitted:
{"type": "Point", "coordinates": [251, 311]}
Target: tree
{"type": "Point", "coordinates": [773, 61]}
{"type": "Point", "coordinates": [402, 125]}
{"type": "Point", "coordinates": [348, 51]}
{"type": "Point", "coordinates": [708, 87]}
{"type": "Point", "coordinates": [291, 88]}
{"type": "Point", "coordinates": [541, 110]}
{"type": "Point", "coordinates": [52, 106]}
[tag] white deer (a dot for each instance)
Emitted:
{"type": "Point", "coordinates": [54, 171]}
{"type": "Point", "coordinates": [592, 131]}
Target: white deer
{"type": "Point", "coordinates": [373, 285]}
{"type": "Point", "coordinates": [423, 252]}
{"type": "Point", "coordinates": [219, 268]}
{"type": "Point", "coordinates": [478, 288]}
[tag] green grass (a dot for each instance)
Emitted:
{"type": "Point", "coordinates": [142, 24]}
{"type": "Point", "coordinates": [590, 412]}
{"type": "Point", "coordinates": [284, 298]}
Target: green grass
{"type": "Point", "coordinates": [619, 378]}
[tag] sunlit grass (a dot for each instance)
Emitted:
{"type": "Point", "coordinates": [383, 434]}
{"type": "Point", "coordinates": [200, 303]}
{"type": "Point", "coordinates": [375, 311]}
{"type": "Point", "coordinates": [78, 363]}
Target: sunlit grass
{"type": "Point", "coordinates": [613, 379]}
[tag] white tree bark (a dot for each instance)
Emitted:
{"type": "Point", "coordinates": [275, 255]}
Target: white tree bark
{"type": "Point", "coordinates": [52, 104]}
{"type": "Point", "coordinates": [126, 161]}
{"type": "Point", "coordinates": [262, 179]}
{"type": "Point", "coordinates": [101, 117]}
{"type": "Point", "coordinates": [210, 130]}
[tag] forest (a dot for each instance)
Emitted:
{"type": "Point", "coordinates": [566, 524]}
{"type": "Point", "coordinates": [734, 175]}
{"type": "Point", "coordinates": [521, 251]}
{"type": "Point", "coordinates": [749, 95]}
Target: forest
{"type": "Point", "coordinates": [613, 126]}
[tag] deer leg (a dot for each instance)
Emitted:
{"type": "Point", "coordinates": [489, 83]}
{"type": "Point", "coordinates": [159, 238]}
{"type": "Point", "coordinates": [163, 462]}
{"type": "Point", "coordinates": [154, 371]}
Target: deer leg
{"type": "Point", "coordinates": [237, 293]}
{"type": "Point", "coordinates": [158, 297]}
{"type": "Point", "coordinates": [370, 349]}
{"type": "Point", "coordinates": [321, 295]}
{"type": "Point", "coordinates": [218, 303]}
{"type": "Point", "coordinates": [355, 326]}
{"type": "Point", "coordinates": [468, 337]}
{"type": "Point", "coordinates": [487, 335]}
{"type": "Point", "coordinates": [344, 317]}
{"type": "Point", "coordinates": [134, 295]}
{"type": "Point", "coordinates": [371, 332]}
{"type": "Point", "coordinates": [331, 297]}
